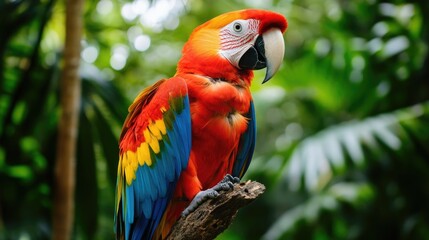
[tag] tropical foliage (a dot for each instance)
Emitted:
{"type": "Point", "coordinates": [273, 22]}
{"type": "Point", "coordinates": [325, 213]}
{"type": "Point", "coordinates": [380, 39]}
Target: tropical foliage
{"type": "Point", "coordinates": [343, 128]}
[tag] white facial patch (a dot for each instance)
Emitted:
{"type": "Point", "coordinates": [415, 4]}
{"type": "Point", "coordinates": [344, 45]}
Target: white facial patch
{"type": "Point", "coordinates": [236, 38]}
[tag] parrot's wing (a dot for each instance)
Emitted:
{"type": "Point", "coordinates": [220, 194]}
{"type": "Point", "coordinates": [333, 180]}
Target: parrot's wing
{"type": "Point", "coordinates": [154, 149]}
{"type": "Point", "coordinates": [246, 145]}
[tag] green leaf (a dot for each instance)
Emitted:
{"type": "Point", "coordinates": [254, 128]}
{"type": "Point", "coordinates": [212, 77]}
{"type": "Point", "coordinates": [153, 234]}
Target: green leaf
{"type": "Point", "coordinates": [86, 180]}
{"type": "Point", "coordinates": [108, 143]}
{"type": "Point", "coordinates": [311, 210]}
{"type": "Point", "coordinates": [22, 172]}
{"type": "Point", "coordinates": [319, 155]}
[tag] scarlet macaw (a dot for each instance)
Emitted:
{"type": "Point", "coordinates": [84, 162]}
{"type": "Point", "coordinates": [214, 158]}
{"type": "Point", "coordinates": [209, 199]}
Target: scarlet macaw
{"type": "Point", "coordinates": [192, 135]}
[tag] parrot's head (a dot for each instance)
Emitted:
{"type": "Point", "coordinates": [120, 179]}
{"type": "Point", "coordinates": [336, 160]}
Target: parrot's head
{"type": "Point", "coordinates": [233, 44]}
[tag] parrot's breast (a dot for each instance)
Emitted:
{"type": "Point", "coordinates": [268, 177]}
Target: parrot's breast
{"type": "Point", "coordinates": [218, 110]}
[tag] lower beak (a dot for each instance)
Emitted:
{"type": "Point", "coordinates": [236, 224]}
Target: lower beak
{"type": "Point", "coordinates": [267, 51]}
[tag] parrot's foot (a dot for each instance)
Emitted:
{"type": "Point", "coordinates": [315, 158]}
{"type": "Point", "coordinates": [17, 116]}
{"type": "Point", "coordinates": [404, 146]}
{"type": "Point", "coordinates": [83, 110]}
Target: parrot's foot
{"type": "Point", "coordinates": [226, 184]}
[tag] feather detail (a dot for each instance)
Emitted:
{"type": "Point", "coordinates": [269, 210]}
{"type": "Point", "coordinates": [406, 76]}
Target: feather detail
{"type": "Point", "coordinates": [246, 145]}
{"type": "Point", "coordinates": [152, 157]}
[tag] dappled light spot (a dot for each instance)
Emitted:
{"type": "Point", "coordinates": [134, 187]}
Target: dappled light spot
{"type": "Point", "coordinates": [380, 29]}
{"type": "Point", "coordinates": [118, 61]}
{"type": "Point", "coordinates": [405, 13]}
{"type": "Point", "coordinates": [141, 6]}
{"type": "Point", "coordinates": [258, 3]}
{"type": "Point", "coordinates": [142, 43]}
{"type": "Point", "coordinates": [358, 43]}
{"type": "Point", "coordinates": [383, 89]}
{"type": "Point", "coordinates": [294, 131]}
{"type": "Point", "coordinates": [119, 57]}
{"type": "Point", "coordinates": [163, 54]}
{"type": "Point", "coordinates": [133, 32]}
{"type": "Point", "coordinates": [356, 76]}
{"type": "Point", "coordinates": [89, 54]}
{"type": "Point", "coordinates": [334, 11]}
{"type": "Point", "coordinates": [104, 7]}
{"type": "Point", "coordinates": [375, 45]}
{"type": "Point", "coordinates": [282, 142]}
{"type": "Point", "coordinates": [358, 62]}
{"type": "Point", "coordinates": [271, 94]}
{"type": "Point", "coordinates": [171, 23]}
{"type": "Point", "coordinates": [322, 47]}
{"type": "Point", "coordinates": [128, 13]}
{"type": "Point", "coordinates": [163, 14]}
{"type": "Point", "coordinates": [395, 45]}
{"type": "Point", "coordinates": [387, 9]}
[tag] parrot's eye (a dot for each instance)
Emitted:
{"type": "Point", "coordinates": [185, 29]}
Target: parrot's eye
{"type": "Point", "coordinates": [240, 28]}
{"type": "Point", "coordinates": [237, 27]}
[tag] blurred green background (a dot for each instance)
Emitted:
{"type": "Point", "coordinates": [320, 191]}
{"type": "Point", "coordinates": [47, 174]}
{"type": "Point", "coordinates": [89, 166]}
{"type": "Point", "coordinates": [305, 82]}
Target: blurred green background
{"type": "Point", "coordinates": [343, 128]}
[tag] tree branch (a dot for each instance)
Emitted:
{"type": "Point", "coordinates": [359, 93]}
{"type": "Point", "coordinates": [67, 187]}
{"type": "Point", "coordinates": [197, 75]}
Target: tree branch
{"type": "Point", "coordinates": [215, 215]}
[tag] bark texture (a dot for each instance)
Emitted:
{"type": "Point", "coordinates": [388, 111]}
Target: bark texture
{"type": "Point", "coordinates": [64, 182]}
{"type": "Point", "coordinates": [214, 216]}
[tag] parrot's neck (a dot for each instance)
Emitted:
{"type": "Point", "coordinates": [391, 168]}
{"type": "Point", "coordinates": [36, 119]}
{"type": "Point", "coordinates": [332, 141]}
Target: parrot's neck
{"type": "Point", "coordinates": [214, 67]}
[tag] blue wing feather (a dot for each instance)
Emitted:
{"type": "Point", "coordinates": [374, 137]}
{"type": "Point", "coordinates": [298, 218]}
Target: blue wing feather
{"type": "Point", "coordinates": [246, 145]}
{"type": "Point", "coordinates": [161, 179]}
{"type": "Point", "coordinates": [143, 202]}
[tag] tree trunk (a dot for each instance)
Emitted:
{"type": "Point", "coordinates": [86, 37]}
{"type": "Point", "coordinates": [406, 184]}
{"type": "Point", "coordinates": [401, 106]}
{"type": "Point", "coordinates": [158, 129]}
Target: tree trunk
{"type": "Point", "coordinates": [64, 182]}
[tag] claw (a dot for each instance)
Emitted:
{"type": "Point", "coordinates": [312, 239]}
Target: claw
{"type": "Point", "coordinates": [199, 199]}
{"type": "Point", "coordinates": [230, 178]}
{"type": "Point", "coordinates": [226, 184]}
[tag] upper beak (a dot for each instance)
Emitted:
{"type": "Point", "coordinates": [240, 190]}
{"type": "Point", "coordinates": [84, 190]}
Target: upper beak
{"type": "Point", "coordinates": [267, 51]}
{"type": "Point", "coordinates": [274, 51]}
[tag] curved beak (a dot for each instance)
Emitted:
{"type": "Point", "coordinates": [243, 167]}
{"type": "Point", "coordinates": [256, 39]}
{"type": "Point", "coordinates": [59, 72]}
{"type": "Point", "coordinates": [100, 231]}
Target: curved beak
{"type": "Point", "coordinates": [274, 51]}
{"type": "Point", "coordinates": [267, 51]}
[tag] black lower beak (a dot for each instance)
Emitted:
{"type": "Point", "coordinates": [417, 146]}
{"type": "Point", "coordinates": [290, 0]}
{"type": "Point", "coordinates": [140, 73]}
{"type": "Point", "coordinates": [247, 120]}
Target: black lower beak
{"type": "Point", "coordinates": [254, 58]}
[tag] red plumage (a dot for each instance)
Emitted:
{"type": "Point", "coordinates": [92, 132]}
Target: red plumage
{"type": "Point", "coordinates": [220, 103]}
{"type": "Point", "coordinates": [215, 138]}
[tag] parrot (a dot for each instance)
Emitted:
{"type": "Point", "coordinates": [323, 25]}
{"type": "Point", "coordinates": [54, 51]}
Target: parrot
{"type": "Point", "coordinates": [189, 137]}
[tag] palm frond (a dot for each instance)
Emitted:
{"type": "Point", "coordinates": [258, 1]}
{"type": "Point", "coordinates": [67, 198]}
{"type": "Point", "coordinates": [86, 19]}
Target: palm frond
{"type": "Point", "coordinates": [311, 210]}
{"type": "Point", "coordinates": [317, 157]}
